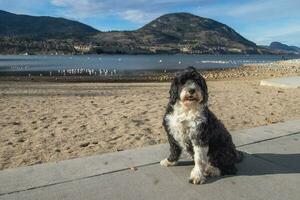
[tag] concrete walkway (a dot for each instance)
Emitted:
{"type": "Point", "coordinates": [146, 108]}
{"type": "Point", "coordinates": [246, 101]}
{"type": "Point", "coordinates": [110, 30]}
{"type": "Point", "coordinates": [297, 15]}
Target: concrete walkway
{"type": "Point", "coordinates": [283, 82]}
{"type": "Point", "coordinates": [270, 170]}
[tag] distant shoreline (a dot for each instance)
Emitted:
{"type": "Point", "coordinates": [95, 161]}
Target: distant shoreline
{"type": "Point", "coordinates": [131, 69]}
{"type": "Point", "coordinates": [144, 53]}
{"type": "Point", "coordinates": [250, 71]}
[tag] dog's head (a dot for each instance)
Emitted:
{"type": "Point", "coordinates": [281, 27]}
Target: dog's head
{"type": "Point", "coordinates": [188, 87]}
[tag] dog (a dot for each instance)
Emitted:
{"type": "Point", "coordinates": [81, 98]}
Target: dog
{"type": "Point", "coordinates": [191, 127]}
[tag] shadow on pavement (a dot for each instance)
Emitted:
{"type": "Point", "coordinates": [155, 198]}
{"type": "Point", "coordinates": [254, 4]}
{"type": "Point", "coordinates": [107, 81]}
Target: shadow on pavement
{"type": "Point", "coordinates": [261, 164]}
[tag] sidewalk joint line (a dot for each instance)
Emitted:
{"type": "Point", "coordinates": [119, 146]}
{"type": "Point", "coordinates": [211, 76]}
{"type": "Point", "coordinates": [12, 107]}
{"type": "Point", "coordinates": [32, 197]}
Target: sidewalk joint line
{"type": "Point", "coordinates": [273, 138]}
{"type": "Point", "coordinates": [76, 179]}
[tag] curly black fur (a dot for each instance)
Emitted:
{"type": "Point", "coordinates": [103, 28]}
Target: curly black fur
{"type": "Point", "coordinates": [212, 133]}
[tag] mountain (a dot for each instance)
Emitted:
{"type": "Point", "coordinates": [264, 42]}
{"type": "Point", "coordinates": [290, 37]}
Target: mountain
{"type": "Point", "coordinates": [185, 27]}
{"type": "Point", "coordinates": [170, 33]}
{"type": "Point", "coordinates": [13, 25]}
{"type": "Point", "coordinates": [280, 47]}
{"type": "Point", "coordinates": [179, 32]}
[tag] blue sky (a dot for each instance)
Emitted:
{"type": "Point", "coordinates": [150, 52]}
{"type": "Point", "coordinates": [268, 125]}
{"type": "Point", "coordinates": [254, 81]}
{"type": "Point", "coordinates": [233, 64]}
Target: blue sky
{"type": "Point", "coordinates": [261, 21]}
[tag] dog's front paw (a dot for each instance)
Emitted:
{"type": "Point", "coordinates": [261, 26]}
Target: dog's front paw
{"type": "Point", "coordinates": [197, 177]}
{"type": "Point", "coordinates": [167, 163]}
{"type": "Point", "coordinates": [196, 180]}
{"type": "Point", "coordinates": [211, 171]}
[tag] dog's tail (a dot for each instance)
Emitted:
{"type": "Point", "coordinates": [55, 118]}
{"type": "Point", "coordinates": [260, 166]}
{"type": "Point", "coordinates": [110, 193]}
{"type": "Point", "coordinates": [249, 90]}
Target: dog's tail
{"type": "Point", "coordinates": [240, 156]}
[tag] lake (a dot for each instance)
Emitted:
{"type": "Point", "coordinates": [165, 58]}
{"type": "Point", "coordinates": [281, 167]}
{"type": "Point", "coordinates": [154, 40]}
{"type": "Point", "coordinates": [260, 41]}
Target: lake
{"type": "Point", "coordinates": [113, 64]}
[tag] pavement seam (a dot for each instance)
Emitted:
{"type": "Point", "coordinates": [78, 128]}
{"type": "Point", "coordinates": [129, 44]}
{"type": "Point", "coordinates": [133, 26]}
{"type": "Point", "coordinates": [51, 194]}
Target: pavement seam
{"type": "Point", "coordinates": [139, 166]}
{"type": "Point", "coordinates": [76, 179]}
{"type": "Point", "coordinates": [264, 159]}
{"type": "Point", "coordinates": [273, 138]}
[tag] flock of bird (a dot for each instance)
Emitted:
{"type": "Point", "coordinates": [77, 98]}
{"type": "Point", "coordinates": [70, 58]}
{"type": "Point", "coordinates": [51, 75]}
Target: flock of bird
{"type": "Point", "coordinates": [87, 71]}
{"type": "Point", "coordinates": [73, 71]}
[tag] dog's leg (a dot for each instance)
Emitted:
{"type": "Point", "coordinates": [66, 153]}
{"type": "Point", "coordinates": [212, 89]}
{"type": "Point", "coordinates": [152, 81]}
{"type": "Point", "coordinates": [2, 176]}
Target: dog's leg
{"type": "Point", "coordinates": [175, 152]}
{"type": "Point", "coordinates": [200, 159]}
{"type": "Point", "coordinates": [211, 171]}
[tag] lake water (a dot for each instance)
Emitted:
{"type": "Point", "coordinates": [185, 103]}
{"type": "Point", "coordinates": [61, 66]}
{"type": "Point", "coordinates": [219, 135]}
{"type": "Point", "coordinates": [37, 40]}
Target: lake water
{"type": "Point", "coordinates": [93, 64]}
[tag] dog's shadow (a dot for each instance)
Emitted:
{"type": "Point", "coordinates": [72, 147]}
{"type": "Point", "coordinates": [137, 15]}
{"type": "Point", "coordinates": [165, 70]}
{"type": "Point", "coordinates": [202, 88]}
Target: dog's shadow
{"type": "Point", "coordinates": [261, 164]}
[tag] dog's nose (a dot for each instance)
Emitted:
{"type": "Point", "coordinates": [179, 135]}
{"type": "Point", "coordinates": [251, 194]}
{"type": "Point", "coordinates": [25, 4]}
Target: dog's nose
{"type": "Point", "coordinates": [191, 91]}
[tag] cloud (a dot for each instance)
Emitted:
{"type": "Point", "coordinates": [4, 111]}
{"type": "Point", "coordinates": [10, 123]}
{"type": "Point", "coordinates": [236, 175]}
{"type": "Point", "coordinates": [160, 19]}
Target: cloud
{"type": "Point", "coordinates": [252, 10]}
{"type": "Point", "coordinates": [78, 9]}
{"type": "Point", "coordinates": [136, 11]}
{"type": "Point", "coordinates": [33, 7]}
{"type": "Point", "coordinates": [260, 21]}
{"type": "Point", "coordinates": [288, 33]}
{"type": "Point", "coordinates": [137, 16]}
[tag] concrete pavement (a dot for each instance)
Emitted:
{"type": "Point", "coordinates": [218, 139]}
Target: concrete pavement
{"type": "Point", "coordinates": [270, 170]}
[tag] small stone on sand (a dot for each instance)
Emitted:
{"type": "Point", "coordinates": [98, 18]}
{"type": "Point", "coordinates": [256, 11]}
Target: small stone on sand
{"type": "Point", "coordinates": [85, 144]}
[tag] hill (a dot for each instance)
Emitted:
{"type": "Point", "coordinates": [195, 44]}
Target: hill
{"type": "Point", "coordinates": [283, 48]}
{"type": "Point", "coordinates": [179, 32]}
{"type": "Point", "coordinates": [13, 25]}
{"type": "Point", "coordinates": [170, 33]}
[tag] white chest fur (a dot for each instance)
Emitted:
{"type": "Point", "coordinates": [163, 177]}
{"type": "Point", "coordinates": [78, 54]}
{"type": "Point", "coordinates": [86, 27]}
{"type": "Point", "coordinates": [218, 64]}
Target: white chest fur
{"type": "Point", "coordinates": [183, 123]}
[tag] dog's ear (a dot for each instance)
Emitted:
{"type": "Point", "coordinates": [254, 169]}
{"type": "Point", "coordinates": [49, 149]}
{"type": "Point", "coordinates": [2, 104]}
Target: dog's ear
{"type": "Point", "coordinates": [191, 68]}
{"type": "Point", "coordinates": [173, 92]}
{"type": "Point", "coordinates": [202, 83]}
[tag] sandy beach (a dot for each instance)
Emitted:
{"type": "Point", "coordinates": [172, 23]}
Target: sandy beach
{"type": "Point", "coordinates": [47, 122]}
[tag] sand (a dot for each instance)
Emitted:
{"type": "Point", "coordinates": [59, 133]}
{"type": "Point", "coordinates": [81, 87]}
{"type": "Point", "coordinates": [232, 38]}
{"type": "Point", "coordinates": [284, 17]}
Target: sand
{"type": "Point", "coordinates": [48, 122]}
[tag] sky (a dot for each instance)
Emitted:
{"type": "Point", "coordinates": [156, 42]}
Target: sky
{"type": "Point", "coordinates": [261, 21]}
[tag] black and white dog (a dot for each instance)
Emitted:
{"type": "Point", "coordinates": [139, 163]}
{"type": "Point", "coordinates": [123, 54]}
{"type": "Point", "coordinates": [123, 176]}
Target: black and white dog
{"type": "Point", "coordinates": [193, 128]}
